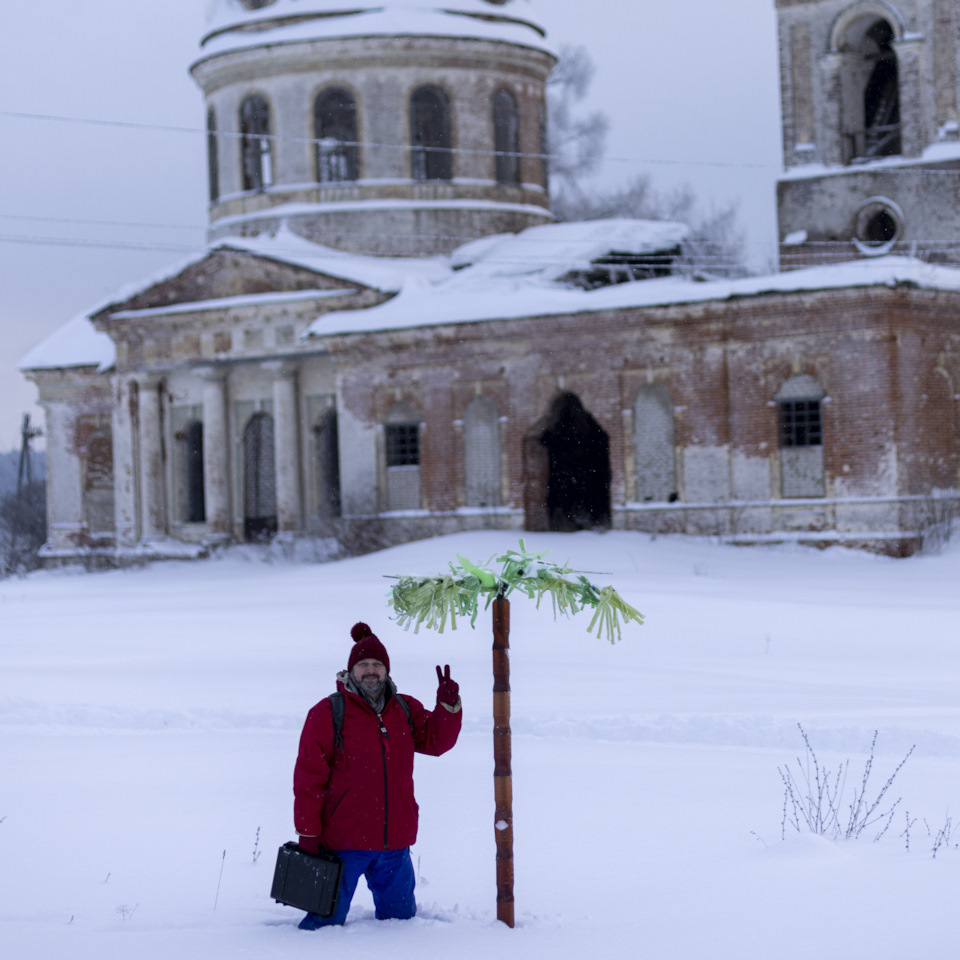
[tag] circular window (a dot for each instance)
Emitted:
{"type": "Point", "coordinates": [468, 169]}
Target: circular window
{"type": "Point", "coordinates": [878, 226]}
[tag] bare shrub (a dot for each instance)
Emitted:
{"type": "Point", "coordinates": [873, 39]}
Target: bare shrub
{"type": "Point", "coordinates": [813, 799]}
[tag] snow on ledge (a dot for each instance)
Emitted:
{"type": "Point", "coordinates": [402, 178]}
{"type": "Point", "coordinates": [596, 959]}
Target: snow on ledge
{"type": "Point", "coordinates": [226, 303]}
{"type": "Point", "coordinates": [296, 21]}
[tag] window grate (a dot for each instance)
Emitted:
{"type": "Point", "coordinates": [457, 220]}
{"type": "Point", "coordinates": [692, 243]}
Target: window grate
{"type": "Point", "coordinates": [801, 424]}
{"type": "Point", "coordinates": [403, 444]}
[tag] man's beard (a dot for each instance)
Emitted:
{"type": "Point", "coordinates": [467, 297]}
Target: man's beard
{"type": "Point", "coordinates": [372, 686]}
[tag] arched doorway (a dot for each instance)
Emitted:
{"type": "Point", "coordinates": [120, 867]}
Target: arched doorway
{"type": "Point", "coordinates": [567, 470]}
{"type": "Point", "coordinates": [259, 479]}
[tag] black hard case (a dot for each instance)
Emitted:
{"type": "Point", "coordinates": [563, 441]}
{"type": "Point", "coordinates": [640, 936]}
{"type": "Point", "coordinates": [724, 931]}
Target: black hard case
{"type": "Point", "coordinates": [307, 881]}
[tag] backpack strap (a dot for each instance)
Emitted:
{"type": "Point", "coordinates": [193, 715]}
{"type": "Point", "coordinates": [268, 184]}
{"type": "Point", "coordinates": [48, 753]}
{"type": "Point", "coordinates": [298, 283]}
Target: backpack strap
{"type": "Point", "coordinates": [338, 708]}
{"type": "Point", "coordinates": [405, 707]}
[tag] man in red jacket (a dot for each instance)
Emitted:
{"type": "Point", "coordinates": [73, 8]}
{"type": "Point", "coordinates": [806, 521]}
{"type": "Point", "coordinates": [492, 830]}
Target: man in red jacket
{"type": "Point", "coordinates": [353, 791]}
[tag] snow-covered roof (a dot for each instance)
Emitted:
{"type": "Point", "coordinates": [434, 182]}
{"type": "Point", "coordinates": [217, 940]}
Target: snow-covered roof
{"type": "Point", "coordinates": [230, 24]}
{"type": "Point", "coordinates": [386, 274]}
{"type": "Point", "coordinates": [552, 250]}
{"type": "Point", "coordinates": [79, 344]}
{"type": "Point", "coordinates": [76, 344]}
{"type": "Point", "coordinates": [474, 294]}
{"type": "Point", "coordinates": [501, 277]}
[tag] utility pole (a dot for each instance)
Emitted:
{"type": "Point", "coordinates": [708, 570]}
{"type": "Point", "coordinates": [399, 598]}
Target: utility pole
{"type": "Point", "coordinates": [27, 435]}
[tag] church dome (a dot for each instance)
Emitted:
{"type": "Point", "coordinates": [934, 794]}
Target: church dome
{"type": "Point", "coordinates": [387, 127]}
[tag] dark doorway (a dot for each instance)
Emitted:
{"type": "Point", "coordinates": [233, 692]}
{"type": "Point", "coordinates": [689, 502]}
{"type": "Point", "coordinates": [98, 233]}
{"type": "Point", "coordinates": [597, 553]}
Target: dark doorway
{"type": "Point", "coordinates": [260, 480]}
{"type": "Point", "coordinates": [196, 511]}
{"type": "Point", "coordinates": [577, 466]}
{"type": "Point", "coordinates": [328, 465]}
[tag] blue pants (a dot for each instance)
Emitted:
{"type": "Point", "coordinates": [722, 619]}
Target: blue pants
{"type": "Point", "coordinates": [390, 878]}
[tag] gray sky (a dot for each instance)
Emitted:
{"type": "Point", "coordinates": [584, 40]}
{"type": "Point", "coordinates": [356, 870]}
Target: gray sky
{"type": "Point", "coordinates": [690, 88]}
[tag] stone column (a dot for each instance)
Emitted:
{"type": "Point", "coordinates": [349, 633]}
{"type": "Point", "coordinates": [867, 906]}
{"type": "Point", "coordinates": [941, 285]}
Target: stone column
{"type": "Point", "coordinates": [152, 493]}
{"type": "Point", "coordinates": [915, 132]}
{"type": "Point", "coordinates": [287, 447]}
{"type": "Point", "coordinates": [125, 469]}
{"type": "Point", "coordinates": [833, 140]}
{"type": "Point", "coordinates": [216, 453]}
{"type": "Point", "coordinates": [66, 529]}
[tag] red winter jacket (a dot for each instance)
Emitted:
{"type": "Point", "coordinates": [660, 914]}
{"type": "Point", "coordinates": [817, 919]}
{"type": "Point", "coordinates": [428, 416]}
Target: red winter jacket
{"type": "Point", "coordinates": [360, 797]}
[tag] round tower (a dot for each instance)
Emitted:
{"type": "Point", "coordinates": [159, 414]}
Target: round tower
{"type": "Point", "coordinates": [376, 126]}
{"type": "Point", "coordinates": [870, 92]}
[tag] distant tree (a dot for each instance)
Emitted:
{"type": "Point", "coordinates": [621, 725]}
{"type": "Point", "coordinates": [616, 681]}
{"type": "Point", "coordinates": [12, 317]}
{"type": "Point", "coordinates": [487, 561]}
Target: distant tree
{"type": "Point", "coordinates": [23, 528]}
{"type": "Point", "coordinates": [715, 245]}
{"type": "Point", "coordinates": [576, 141]}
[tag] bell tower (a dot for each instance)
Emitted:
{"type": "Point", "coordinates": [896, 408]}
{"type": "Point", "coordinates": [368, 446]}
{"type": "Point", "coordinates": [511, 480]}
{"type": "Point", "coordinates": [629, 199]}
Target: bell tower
{"type": "Point", "coordinates": [869, 99]}
{"type": "Point", "coordinates": [375, 126]}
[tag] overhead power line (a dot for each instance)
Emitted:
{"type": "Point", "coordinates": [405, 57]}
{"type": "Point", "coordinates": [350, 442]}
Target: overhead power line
{"type": "Point", "coordinates": [104, 223]}
{"type": "Point", "coordinates": [233, 135]}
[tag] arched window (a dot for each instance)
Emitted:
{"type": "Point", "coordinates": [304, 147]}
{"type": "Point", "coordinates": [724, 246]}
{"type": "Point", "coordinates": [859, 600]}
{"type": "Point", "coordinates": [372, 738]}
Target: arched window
{"type": "Point", "coordinates": [431, 156]}
{"type": "Point", "coordinates": [506, 137]}
{"type": "Point", "coordinates": [335, 129]}
{"type": "Point", "coordinates": [256, 147]}
{"type": "Point", "coordinates": [401, 434]}
{"type": "Point", "coordinates": [881, 96]}
{"type": "Point", "coordinates": [259, 479]}
{"type": "Point", "coordinates": [213, 161]}
{"type": "Point", "coordinates": [481, 452]}
{"type": "Point", "coordinates": [870, 87]}
{"type": "Point", "coordinates": [800, 433]}
{"type": "Point", "coordinates": [653, 443]}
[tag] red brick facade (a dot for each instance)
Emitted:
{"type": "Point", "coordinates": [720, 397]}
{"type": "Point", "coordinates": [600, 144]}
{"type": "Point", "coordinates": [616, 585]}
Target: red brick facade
{"type": "Point", "coordinates": [888, 360]}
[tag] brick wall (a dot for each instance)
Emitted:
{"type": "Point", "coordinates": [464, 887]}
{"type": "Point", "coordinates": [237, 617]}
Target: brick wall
{"type": "Point", "coordinates": [887, 360]}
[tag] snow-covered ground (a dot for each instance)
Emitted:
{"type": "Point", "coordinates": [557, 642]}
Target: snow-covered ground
{"type": "Point", "coordinates": [150, 718]}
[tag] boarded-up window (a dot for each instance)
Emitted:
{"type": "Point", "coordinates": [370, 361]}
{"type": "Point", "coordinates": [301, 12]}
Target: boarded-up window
{"type": "Point", "coordinates": [401, 435]}
{"type": "Point", "coordinates": [653, 443]}
{"type": "Point", "coordinates": [800, 431]}
{"type": "Point", "coordinates": [481, 450]}
{"type": "Point", "coordinates": [97, 455]}
{"type": "Point", "coordinates": [802, 80]}
{"type": "Point", "coordinates": [937, 434]}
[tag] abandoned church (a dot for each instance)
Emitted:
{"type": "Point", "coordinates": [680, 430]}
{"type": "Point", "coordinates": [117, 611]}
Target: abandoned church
{"type": "Point", "coordinates": [389, 337]}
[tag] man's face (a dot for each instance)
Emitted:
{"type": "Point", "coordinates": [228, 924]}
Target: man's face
{"type": "Point", "coordinates": [369, 676]}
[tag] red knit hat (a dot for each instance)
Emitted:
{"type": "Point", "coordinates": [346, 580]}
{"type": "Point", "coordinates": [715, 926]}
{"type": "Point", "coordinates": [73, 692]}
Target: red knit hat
{"type": "Point", "coordinates": [366, 647]}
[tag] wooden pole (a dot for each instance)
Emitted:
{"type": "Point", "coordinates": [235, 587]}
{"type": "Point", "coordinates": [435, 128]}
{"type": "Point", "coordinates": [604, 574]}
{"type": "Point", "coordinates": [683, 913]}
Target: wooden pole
{"type": "Point", "coordinates": [502, 772]}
